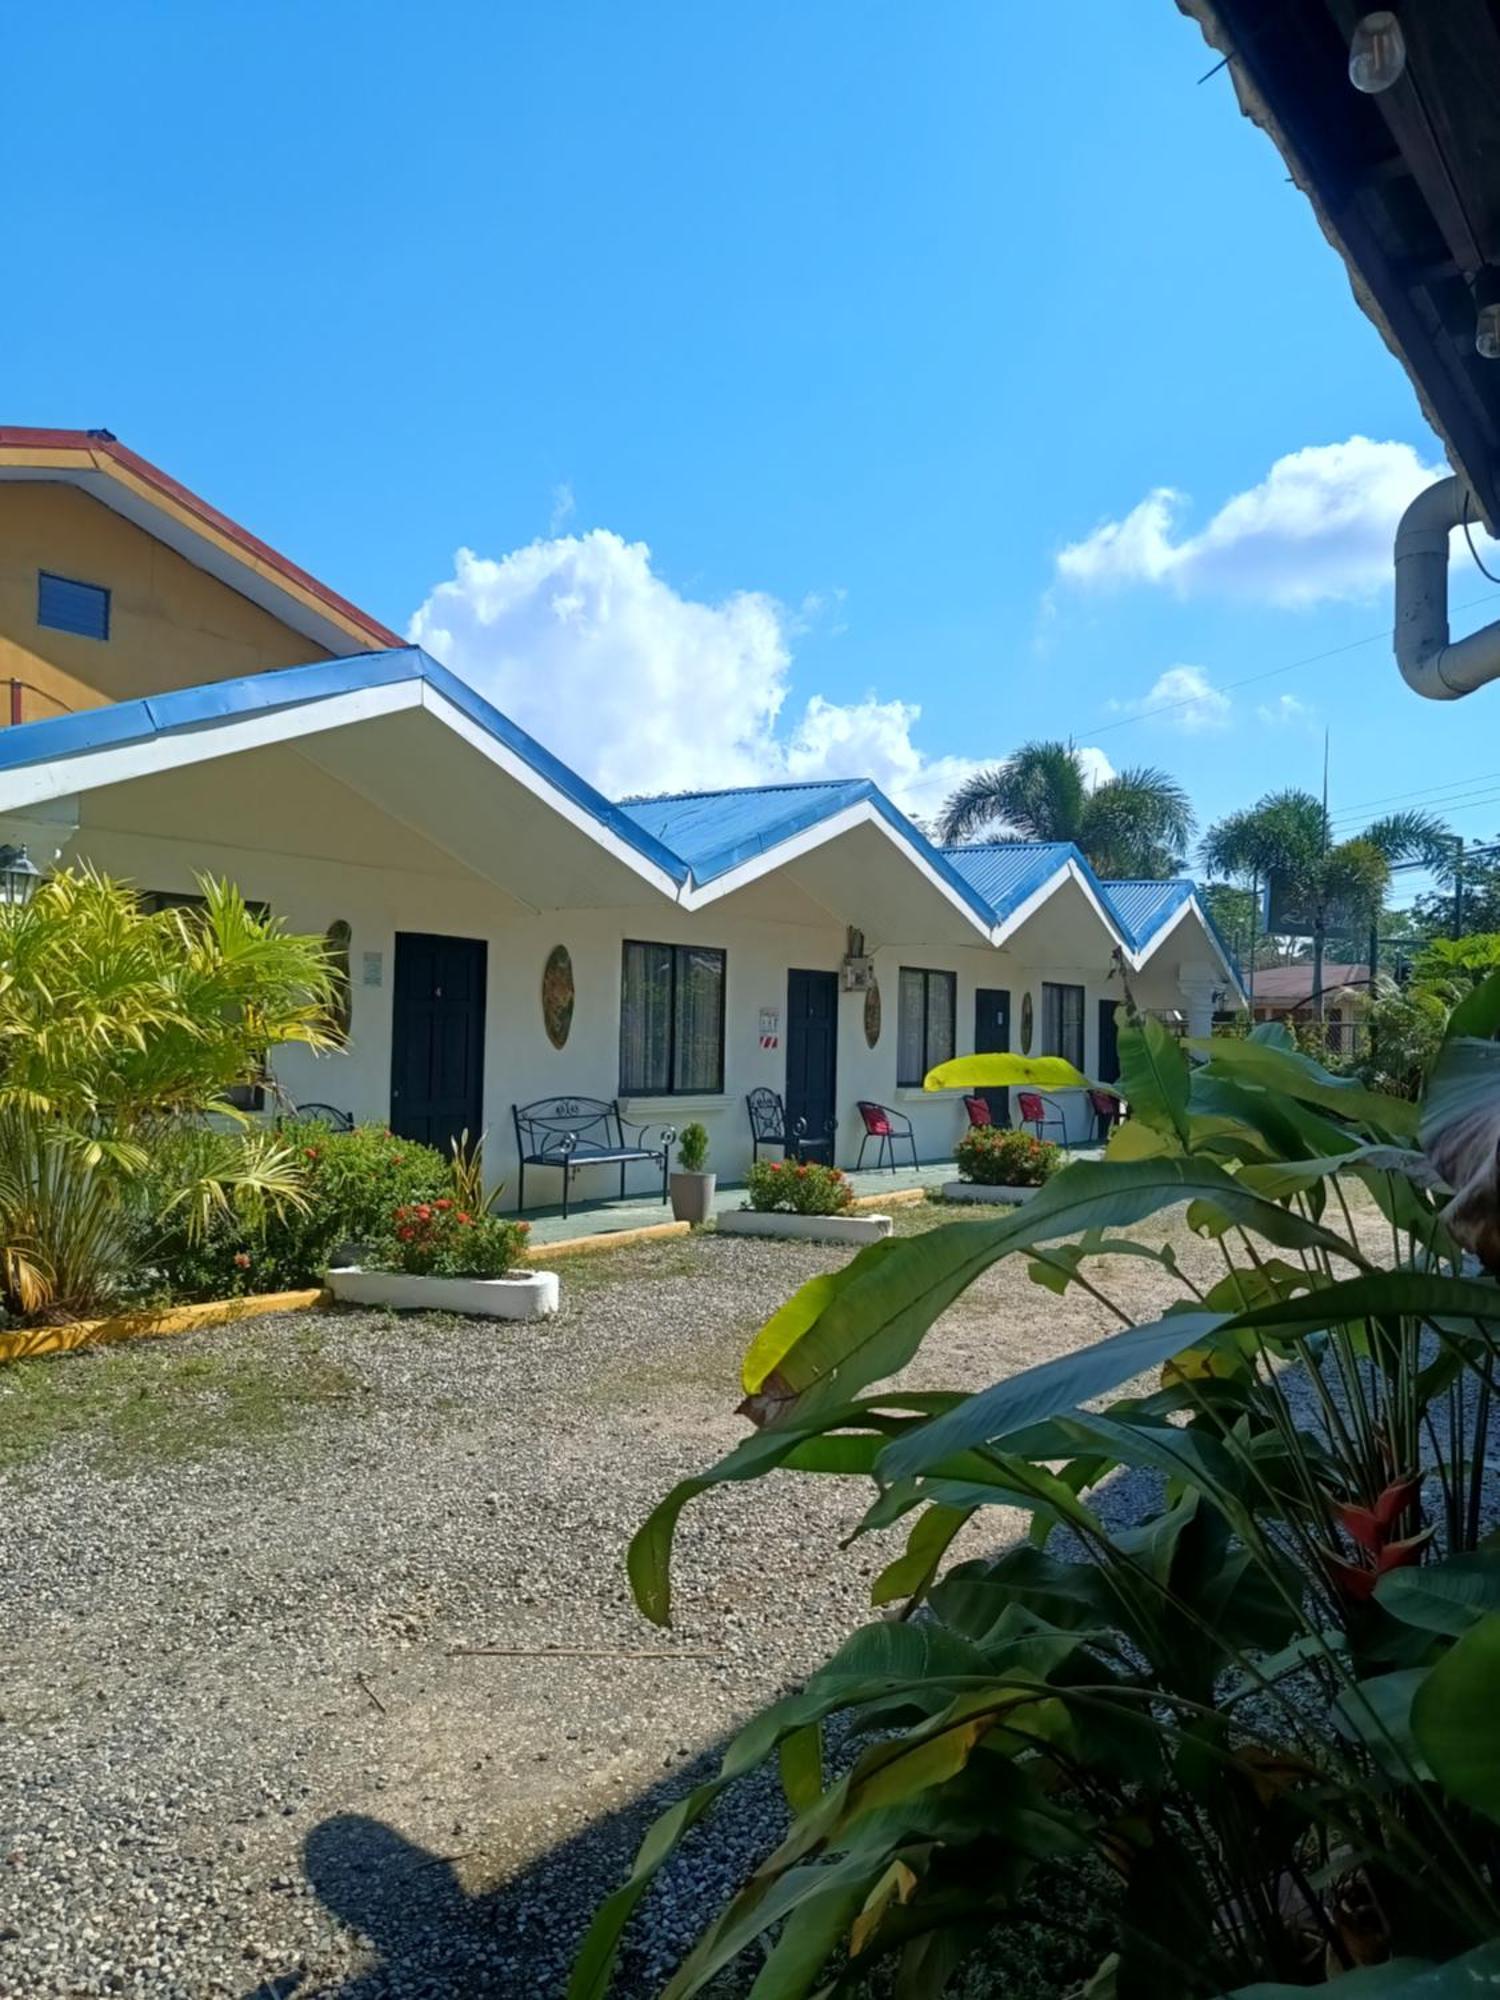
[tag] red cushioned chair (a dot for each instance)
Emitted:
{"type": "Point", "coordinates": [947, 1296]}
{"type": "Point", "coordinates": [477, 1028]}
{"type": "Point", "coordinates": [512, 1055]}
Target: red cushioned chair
{"type": "Point", "coordinates": [1041, 1112]}
{"type": "Point", "coordinates": [1107, 1110]}
{"type": "Point", "coordinates": [891, 1128]}
{"type": "Point", "coordinates": [978, 1109]}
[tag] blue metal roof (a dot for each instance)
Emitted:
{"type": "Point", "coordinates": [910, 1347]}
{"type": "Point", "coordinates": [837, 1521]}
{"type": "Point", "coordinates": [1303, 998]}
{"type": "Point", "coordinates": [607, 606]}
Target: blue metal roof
{"type": "Point", "coordinates": [1007, 872]}
{"type": "Point", "coordinates": [1143, 907]}
{"type": "Point", "coordinates": [716, 831]}
{"type": "Point", "coordinates": [694, 836]}
{"type": "Point", "coordinates": [285, 687]}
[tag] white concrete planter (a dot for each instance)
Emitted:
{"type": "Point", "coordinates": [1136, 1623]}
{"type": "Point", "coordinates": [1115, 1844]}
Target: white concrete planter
{"type": "Point", "coordinates": [978, 1191]}
{"type": "Point", "coordinates": [527, 1295]}
{"type": "Point", "coordinates": [805, 1228]}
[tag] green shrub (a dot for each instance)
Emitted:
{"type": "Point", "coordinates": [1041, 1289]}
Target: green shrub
{"type": "Point", "coordinates": [692, 1148]}
{"type": "Point", "coordinates": [994, 1157]}
{"type": "Point", "coordinates": [804, 1188]}
{"type": "Point", "coordinates": [351, 1181]}
{"type": "Point", "coordinates": [117, 1024]}
{"type": "Point", "coordinates": [440, 1239]}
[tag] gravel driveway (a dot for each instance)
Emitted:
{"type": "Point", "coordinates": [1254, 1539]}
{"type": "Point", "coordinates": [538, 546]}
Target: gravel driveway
{"type": "Point", "coordinates": [242, 1752]}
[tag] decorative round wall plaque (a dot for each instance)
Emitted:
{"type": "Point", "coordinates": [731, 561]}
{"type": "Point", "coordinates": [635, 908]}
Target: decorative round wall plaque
{"type": "Point", "coordinates": [341, 1005]}
{"type": "Point", "coordinates": [557, 996]}
{"type": "Point", "coordinates": [872, 1013]}
{"type": "Point", "coordinates": [1026, 1024]}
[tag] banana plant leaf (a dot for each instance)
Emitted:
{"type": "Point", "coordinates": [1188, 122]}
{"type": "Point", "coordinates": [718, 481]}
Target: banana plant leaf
{"type": "Point", "coordinates": [832, 1342]}
{"type": "Point", "coordinates": [1070, 1379]}
{"type": "Point", "coordinates": [1001, 1072]}
{"type": "Point", "coordinates": [1456, 1722]}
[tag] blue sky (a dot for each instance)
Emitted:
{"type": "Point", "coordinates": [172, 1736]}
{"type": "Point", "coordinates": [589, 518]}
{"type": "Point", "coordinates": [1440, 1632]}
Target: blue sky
{"type": "Point", "coordinates": [767, 359]}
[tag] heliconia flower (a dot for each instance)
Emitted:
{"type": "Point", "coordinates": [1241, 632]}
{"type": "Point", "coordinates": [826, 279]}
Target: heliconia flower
{"type": "Point", "coordinates": [242, 1260]}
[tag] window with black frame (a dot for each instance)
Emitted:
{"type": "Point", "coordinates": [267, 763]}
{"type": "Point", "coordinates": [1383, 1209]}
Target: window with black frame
{"type": "Point", "coordinates": [242, 1096]}
{"type": "Point", "coordinates": [1062, 1022]}
{"type": "Point", "coordinates": [926, 1017]}
{"type": "Point", "coordinates": [671, 1020]}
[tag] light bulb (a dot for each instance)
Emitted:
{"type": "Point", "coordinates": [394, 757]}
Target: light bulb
{"type": "Point", "coordinates": [1377, 52]}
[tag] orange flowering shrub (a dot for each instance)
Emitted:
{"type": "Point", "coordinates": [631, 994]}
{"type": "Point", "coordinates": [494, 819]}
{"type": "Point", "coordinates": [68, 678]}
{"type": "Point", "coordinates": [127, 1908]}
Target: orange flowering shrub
{"type": "Point", "coordinates": [799, 1187]}
{"type": "Point", "coordinates": [439, 1239]}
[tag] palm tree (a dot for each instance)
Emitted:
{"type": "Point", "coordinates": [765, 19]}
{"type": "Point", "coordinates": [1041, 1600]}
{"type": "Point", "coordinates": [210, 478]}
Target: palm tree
{"type": "Point", "coordinates": [1286, 838]}
{"type": "Point", "coordinates": [1137, 823]}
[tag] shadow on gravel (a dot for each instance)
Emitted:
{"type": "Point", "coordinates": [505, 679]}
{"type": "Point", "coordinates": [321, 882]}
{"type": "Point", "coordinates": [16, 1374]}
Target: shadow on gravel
{"type": "Point", "coordinates": [429, 1939]}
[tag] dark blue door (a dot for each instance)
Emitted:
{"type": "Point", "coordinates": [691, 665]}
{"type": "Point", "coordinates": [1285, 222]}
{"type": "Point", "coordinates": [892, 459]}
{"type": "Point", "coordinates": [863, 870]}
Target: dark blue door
{"type": "Point", "coordinates": [992, 1037]}
{"type": "Point", "coordinates": [812, 1035]}
{"type": "Point", "coordinates": [437, 1038]}
{"type": "Point", "coordinates": [1109, 1043]}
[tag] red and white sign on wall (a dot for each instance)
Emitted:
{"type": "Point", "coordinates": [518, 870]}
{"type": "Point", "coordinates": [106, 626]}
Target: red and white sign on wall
{"type": "Point", "coordinates": [770, 1028]}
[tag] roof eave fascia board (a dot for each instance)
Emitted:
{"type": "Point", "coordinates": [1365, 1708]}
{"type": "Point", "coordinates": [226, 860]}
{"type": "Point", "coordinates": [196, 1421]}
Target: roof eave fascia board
{"type": "Point", "coordinates": [1188, 907]}
{"type": "Point", "coordinates": [696, 894]}
{"type": "Point", "coordinates": [195, 725]}
{"type": "Point", "coordinates": [1069, 870]}
{"type": "Point", "coordinates": [111, 473]}
{"type": "Point", "coordinates": [139, 755]}
{"type": "Point", "coordinates": [516, 766]}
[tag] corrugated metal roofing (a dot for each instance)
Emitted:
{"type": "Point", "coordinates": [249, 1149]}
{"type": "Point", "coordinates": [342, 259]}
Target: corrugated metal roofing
{"type": "Point", "coordinates": [190, 708]}
{"type": "Point", "coordinates": [1007, 872]}
{"type": "Point", "coordinates": [1143, 907]}
{"type": "Point", "coordinates": [716, 831]}
{"type": "Point", "coordinates": [695, 836]}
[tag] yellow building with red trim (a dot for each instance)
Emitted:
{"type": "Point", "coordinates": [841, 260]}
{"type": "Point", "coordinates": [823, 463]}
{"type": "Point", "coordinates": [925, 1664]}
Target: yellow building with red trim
{"type": "Point", "coordinates": [95, 535]}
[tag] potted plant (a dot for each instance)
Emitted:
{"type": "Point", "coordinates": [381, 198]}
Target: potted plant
{"type": "Point", "coordinates": [692, 1188]}
{"type": "Point", "coordinates": [439, 1257]}
{"type": "Point", "coordinates": [1000, 1165]}
{"type": "Point", "coordinates": [802, 1199]}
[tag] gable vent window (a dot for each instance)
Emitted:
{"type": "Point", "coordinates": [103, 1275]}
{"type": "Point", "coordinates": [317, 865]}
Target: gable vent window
{"type": "Point", "coordinates": [69, 606]}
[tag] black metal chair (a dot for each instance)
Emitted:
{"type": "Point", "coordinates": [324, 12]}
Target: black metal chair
{"type": "Point", "coordinates": [325, 1114]}
{"type": "Point", "coordinates": [891, 1128]}
{"type": "Point", "coordinates": [571, 1133]}
{"type": "Point", "coordinates": [768, 1127]}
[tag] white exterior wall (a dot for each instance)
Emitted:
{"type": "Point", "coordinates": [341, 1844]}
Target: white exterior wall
{"type": "Point", "coordinates": [520, 1064]}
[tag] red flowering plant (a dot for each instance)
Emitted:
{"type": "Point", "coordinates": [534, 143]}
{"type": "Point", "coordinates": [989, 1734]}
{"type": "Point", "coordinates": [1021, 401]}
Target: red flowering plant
{"type": "Point", "coordinates": [441, 1239]}
{"type": "Point", "coordinates": [798, 1187]}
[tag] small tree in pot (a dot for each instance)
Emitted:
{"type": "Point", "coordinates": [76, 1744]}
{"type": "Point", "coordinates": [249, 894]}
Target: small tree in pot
{"type": "Point", "coordinates": [692, 1188]}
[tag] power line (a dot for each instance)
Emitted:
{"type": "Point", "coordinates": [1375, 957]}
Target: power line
{"type": "Point", "coordinates": [1269, 673]}
{"type": "Point", "coordinates": [1419, 792]}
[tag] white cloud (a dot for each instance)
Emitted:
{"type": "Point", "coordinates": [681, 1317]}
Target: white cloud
{"type": "Point", "coordinates": [645, 690]}
{"type": "Point", "coordinates": [1317, 527]}
{"type": "Point", "coordinates": [564, 507]}
{"type": "Point", "coordinates": [1097, 769]}
{"type": "Point", "coordinates": [1187, 699]}
{"type": "Point", "coordinates": [1285, 710]}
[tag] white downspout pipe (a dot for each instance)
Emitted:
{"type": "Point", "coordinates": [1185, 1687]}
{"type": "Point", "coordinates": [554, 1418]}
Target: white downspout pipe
{"type": "Point", "coordinates": [1429, 662]}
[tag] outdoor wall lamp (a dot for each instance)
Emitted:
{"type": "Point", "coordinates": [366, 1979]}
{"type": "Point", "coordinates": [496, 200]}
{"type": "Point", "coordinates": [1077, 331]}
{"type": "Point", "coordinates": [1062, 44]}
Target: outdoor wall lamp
{"type": "Point", "coordinates": [19, 875]}
{"type": "Point", "coordinates": [1487, 313]}
{"type": "Point", "coordinates": [1377, 52]}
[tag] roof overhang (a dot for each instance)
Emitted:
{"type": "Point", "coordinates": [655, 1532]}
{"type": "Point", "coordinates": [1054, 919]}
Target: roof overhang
{"type": "Point", "coordinates": [99, 465]}
{"type": "Point", "coordinates": [396, 729]}
{"type": "Point", "coordinates": [865, 866]}
{"type": "Point", "coordinates": [1190, 910]}
{"type": "Point", "coordinates": [1405, 184]}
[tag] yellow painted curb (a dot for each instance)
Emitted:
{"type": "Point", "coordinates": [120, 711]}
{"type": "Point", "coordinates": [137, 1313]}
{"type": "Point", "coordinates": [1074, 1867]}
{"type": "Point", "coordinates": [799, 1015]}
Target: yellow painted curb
{"type": "Point", "coordinates": [78, 1333]}
{"type": "Point", "coordinates": [897, 1198]}
{"type": "Point", "coordinates": [619, 1239]}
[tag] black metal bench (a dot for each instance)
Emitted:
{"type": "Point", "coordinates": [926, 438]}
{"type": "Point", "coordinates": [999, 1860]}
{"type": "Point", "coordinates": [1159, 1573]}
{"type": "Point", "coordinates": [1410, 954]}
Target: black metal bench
{"type": "Point", "coordinates": [570, 1133]}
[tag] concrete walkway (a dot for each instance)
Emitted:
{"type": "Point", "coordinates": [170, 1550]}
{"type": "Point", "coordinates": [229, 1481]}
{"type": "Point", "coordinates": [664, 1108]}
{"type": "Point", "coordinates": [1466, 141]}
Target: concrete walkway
{"type": "Point", "coordinates": [641, 1210]}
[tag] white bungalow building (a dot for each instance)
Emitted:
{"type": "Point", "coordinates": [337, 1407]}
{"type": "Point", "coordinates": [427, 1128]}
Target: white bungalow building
{"type": "Point", "coordinates": [513, 935]}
